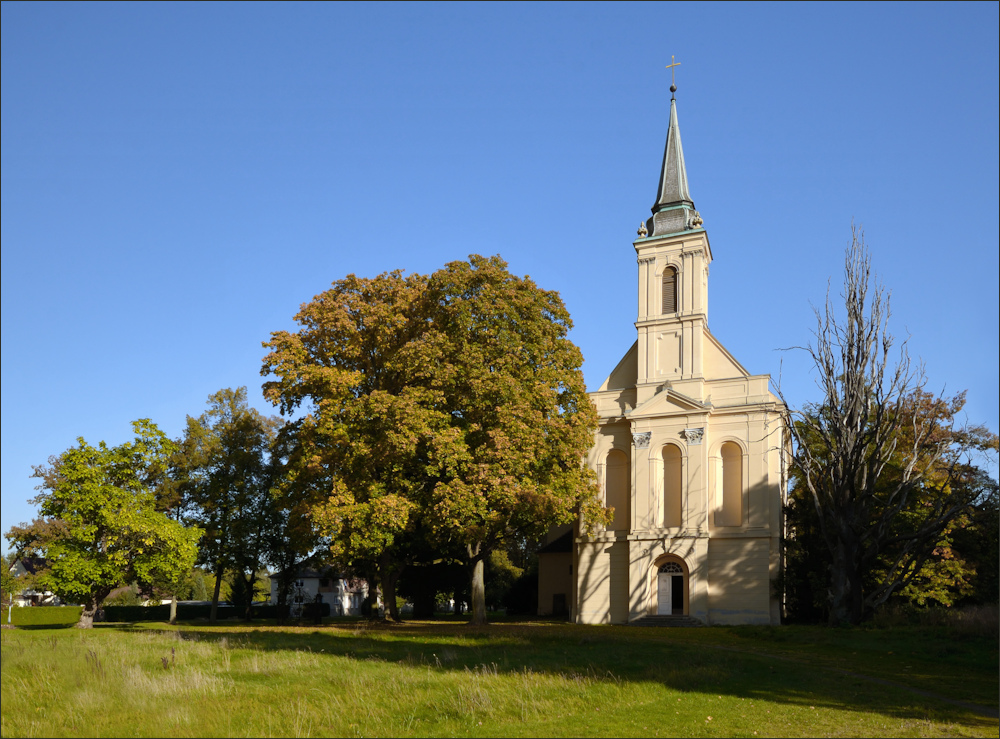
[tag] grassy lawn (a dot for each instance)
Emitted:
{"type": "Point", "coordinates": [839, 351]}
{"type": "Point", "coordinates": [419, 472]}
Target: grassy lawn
{"type": "Point", "coordinates": [508, 679]}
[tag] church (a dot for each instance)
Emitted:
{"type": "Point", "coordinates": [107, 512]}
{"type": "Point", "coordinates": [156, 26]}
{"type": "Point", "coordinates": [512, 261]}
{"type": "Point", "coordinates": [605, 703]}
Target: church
{"type": "Point", "coordinates": [689, 454]}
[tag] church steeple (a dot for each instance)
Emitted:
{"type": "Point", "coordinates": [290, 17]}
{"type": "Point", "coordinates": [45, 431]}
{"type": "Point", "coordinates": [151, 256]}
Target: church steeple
{"type": "Point", "coordinates": [673, 210]}
{"type": "Point", "coordinates": [673, 188]}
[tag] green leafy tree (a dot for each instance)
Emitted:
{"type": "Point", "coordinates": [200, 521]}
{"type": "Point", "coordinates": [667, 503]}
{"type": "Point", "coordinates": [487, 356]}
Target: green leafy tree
{"type": "Point", "coordinates": [979, 543]}
{"type": "Point", "coordinates": [887, 471]}
{"type": "Point", "coordinates": [99, 527]}
{"type": "Point", "coordinates": [295, 540]}
{"type": "Point", "coordinates": [223, 473]}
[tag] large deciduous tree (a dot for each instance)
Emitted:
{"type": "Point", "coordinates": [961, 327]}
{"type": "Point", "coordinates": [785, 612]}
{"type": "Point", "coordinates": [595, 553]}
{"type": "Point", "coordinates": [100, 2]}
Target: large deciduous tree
{"type": "Point", "coordinates": [520, 418]}
{"type": "Point", "coordinates": [99, 527]}
{"type": "Point", "coordinates": [363, 449]}
{"type": "Point", "coordinates": [449, 408]}
{"type": "Point", "coordinates": [223, 472]}
{"type": "Point", "coordinates": [911, 557]}
{"type": "Point", "coordinates": [887, 471]}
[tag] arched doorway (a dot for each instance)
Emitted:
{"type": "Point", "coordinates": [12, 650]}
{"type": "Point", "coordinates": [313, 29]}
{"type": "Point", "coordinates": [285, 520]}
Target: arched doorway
{"type": "Point", "coordinates": [670, 590]}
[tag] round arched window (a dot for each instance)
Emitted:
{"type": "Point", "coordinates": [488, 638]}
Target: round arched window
{"type": "Point", "coordinates": [669, 292]}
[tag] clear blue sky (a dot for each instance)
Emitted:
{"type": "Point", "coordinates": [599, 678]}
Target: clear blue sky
{"type": "Point", "coordinates": [178, 178]}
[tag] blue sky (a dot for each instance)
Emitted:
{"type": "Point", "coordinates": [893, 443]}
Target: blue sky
{"type": "Point", "coordinates": [178, 178]}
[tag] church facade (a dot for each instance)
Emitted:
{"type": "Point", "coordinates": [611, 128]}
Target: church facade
{"type": "Point", "coordinates": [689, 453]}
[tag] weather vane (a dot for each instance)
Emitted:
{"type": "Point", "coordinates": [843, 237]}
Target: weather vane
{"type": "Point", "coordinates": [673, 79]}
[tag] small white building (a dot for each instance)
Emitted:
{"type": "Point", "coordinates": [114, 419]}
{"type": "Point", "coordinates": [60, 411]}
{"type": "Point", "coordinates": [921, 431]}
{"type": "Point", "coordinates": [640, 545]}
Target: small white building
{"type": "Point", "coordinates": [345, 595]}
{"type": "Point", "coordinates": [29, 596]}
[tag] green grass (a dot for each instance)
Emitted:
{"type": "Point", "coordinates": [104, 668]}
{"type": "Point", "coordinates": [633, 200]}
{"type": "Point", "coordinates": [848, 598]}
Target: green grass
{"type": "Point", "coordinates": [507, 679]}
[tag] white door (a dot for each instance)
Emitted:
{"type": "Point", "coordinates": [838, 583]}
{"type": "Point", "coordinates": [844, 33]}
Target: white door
{"type": "Point", "coordinates": [670, 589]}
{"type": "Point", "coordinates": [664, 605]}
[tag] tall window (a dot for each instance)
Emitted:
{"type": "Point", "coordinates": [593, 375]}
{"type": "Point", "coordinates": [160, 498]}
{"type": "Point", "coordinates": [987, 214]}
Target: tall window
{"type": "Point", "coordinates": [671, 485]}
{"type": "Point", "coordinates": [617, 489]}
{"type": "Point", "coordinates": [669, 290]}
{"type": "Point", "coordinates": [731, 512]}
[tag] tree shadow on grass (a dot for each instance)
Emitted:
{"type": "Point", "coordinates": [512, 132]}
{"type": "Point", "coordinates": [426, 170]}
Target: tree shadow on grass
{"type": "Point", "coordinates": [599, 654]}
{"type": "Point", "coordinates": [101, 626]}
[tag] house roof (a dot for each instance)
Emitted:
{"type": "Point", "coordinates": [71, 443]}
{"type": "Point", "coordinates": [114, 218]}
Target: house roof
{"type": "Point", "coordinates": [32, 565]}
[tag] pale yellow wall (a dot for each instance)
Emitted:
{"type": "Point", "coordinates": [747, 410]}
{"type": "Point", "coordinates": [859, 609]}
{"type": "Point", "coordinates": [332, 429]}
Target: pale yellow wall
{"type": "Point", "coordinates": [619, 587]}
{"type": "Point", "coordinates": [593, 583]}
{"type": "Point", "coordinates": [677, 378]}
{"type": "Point", "coordinates": [555, 575]}
{"type": "Point", "coordinates": [739, 581]}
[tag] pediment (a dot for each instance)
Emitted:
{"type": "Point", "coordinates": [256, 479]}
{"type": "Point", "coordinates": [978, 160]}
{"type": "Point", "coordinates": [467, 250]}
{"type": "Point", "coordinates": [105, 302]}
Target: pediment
{"type": "Point", "coordinates": [668, 402]}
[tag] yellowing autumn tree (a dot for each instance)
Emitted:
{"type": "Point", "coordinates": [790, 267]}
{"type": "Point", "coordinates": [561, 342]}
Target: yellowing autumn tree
{"type": "Point", "coordinates": [448, 410]}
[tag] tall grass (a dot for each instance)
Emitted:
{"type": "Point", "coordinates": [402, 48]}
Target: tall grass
{"type": "Point", "coordinates": [969, 620]}
{"type": "Point", "coordinates": [432, 679]}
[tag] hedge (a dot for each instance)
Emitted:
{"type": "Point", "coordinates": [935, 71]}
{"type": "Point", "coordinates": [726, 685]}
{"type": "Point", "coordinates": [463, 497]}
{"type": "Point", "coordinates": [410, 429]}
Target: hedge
{"type": "Point", "coordinates": [43, 615]}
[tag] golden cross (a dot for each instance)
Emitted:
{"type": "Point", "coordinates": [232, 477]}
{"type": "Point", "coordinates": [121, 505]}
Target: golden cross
{"type": "Point", "coordinates": [673, 82]}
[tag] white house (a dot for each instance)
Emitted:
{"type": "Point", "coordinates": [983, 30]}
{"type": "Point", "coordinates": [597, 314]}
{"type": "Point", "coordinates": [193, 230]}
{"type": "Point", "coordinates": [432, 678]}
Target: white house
{"type": "Point", "coordinates": [29, 596]}
{"type": "Point", "coordinates": [345, 595]}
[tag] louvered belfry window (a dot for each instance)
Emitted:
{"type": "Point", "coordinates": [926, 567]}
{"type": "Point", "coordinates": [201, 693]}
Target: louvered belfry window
{"type": "Point", "coordinates": [670, 290]}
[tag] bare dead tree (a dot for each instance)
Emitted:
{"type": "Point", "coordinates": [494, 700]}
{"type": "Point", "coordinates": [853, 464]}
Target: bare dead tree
{"type": "Point", "coordinates": [876, 445]}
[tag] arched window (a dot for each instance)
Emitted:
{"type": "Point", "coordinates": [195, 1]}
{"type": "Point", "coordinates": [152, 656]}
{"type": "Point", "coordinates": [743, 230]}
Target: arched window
{"type": "Point", "coordinates": [671, 485]}
{"type": "Point", "coordinates": [731, 512]}
{"type": "Point", "coordinates": [617, 489]}
{"type": "Point", "coordinates": [669, 290]}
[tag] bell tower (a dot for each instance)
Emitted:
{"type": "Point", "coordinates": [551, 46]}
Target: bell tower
{"type": "Point", "coordinates": [673, 255]}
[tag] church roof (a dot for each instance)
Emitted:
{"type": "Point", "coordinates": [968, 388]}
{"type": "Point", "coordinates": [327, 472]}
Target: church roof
{"type": "Point", "coordinates": [673, 189]}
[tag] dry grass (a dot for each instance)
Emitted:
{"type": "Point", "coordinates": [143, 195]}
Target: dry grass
{"type": "Point", "coordinates": [433, 679]}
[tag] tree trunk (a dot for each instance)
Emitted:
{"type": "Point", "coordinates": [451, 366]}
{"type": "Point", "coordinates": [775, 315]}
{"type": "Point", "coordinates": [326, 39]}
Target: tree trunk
{"type": "Point", "coordinates": [90, 608]}
{"type": "Point", "coordinates": [214, 612]}
{"type": "Point", "coordinates": [284, 585]}
{"type": "Point", "coordinates": [87, 614]}
{"type": "Point", "coordinates": [846, 596]}
{"type": "Point", "coordinates": [173, 609]}
{"type": "Point", "coordinates": [389, 575]}
{"type": "Point", "coordinates": [477, 590]}
{"type": "Point", "coordinates": [250, 588]}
